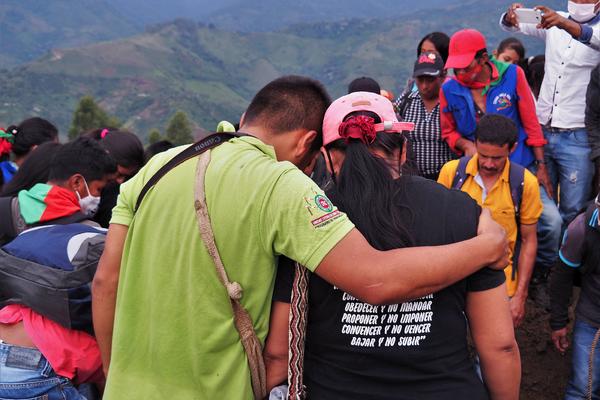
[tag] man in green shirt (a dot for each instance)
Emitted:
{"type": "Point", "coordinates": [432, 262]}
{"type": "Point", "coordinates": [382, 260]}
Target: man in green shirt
{"type": "Point", "coordinates": [163, 319]}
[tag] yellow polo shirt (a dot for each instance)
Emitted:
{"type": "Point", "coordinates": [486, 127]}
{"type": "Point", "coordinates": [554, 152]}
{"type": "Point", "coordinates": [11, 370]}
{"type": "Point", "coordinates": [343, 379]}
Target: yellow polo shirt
{"type": "Point", "coordinates": [499, 202]}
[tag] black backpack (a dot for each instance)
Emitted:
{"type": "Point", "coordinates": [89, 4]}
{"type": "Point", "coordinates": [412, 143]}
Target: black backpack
{"type": "Point", "coordinates": [516, 180]}
{"type": "Point", "coordinates": [50, 268]}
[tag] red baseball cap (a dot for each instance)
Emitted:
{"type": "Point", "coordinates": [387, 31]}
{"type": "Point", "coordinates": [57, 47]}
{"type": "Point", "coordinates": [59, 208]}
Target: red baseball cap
{"type": "Point", "coordinates": [464, 45]}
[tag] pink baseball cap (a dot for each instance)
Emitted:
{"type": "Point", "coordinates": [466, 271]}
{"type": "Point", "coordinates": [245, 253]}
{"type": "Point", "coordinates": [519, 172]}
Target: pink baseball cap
{"type": "Point", "coordinates": [361, 101]}
{"type": "Point", "coordinates": [464, 44]}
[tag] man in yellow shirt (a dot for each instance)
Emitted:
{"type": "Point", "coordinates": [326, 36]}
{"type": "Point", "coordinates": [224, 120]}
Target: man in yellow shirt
{"type": "Point", "coordinates": [487, 182]}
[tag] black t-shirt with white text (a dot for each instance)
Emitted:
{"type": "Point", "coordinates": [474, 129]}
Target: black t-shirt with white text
{"type": "Point", "coordinates": [414, 350]}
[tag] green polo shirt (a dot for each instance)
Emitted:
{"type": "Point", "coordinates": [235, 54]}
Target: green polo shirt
{"type": "Point", "coordinates": [174, 336]}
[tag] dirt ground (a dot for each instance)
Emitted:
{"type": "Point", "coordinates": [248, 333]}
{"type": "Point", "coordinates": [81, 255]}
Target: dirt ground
{"type": "Point", "coordinates": [545, 371]}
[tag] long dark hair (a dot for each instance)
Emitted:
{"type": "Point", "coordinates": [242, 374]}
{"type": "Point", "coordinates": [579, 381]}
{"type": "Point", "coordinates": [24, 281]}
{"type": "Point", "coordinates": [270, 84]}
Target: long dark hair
{"type": "Point", "coordinates": [124, 146]}
{"type": "Point", "coordinates": [31, 132]}
{"type": "Point", "coordinates": [367, 192]}
{"type": "Point", "coordinates": [35, 169]}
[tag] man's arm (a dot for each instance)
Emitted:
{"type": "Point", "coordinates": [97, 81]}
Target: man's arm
{"type": "Point", "coordinates": [592, 122]}
{"type": "Point", "coordinates": [586, 34]}
{"type": "Point", "coordinates": [104, 290]}
{"type": "Point", "coordinates": [561, 289]}
{"type": "Point", "coordinates": [526, 262]}
{"type": "Point", "coordinates": [450, 134]}
{"type": "Point", "coordinates": [394, 276]}
{"type": "Point", "coordinates": [510, 23]}
{"type": "Point", "coordinates": [493, 335]}
{"type": "Point", "coordinates": [531, 125]}
{"type": "Point", "coordinates": [561, 281]}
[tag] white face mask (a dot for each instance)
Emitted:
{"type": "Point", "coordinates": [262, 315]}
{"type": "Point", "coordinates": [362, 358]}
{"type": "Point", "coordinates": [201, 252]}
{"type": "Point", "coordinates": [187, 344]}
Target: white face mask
{"type": "Point", "coordinates": [582, 12]}
{"type": "Point", "coordinates": [89, 204]}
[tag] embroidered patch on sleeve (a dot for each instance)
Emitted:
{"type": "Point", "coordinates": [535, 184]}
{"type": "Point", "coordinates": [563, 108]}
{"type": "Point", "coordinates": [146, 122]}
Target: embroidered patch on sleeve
{"type": "Point", "coordinates": [318, 204]}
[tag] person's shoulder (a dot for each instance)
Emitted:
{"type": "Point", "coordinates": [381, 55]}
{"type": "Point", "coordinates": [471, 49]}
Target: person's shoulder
{"type": "Point", "coordinates": [425, 188]}
{"type": "Point", "coordinates": [453, 213]}
{"type": "Point", "coordinates": [449, 168]}
{"type": "Point", "coordinates": [450, 83]}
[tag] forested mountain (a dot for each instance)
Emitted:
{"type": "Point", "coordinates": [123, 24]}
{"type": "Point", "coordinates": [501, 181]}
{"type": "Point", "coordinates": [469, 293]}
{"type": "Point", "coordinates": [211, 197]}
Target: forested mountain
{"type": "Point", "coordinates": [211, 73]}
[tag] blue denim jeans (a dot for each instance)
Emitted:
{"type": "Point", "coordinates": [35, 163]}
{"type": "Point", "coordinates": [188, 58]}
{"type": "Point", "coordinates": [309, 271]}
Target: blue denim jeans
{"type": "Point", "coordinates": [548, 231]}
{"type": "Point", "coordinates": [569, 165]}
{"type": "Point", "coordinates": [577, 388]}
{"type": "Point", "coordinates": [26, 374]}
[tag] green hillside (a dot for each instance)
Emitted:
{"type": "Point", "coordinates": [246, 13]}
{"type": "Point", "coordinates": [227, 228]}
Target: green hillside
{"type": "Point", "coordinates": [28, 28]}
{"type": "Point", "coordinates": [211, 74]}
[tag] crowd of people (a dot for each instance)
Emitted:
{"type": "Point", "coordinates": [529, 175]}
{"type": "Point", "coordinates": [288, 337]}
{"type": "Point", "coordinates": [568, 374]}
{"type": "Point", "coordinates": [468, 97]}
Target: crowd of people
{"type": "Point", "coordinates": [368, 247]}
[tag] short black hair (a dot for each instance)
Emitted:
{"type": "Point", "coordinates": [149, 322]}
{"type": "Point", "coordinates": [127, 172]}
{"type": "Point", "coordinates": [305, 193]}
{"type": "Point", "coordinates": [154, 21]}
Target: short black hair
{"type": "Point", "coordinates": [31, 132]}
{"type": "Point", "coordinates": [83, 156]}
{"type": "Point", "coordinates": [480, 53]}
{"type": "Point", "coordinates": [364, 84]}
{"type": "Point", "coordinates": [289, 103]}
{"type": "Point", "coordinates": [497, 130]}
{"type": "Point", "coordinates": [158, 147]}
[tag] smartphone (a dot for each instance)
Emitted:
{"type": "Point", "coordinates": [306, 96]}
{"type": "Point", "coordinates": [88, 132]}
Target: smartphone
{"type": "Point", "coordinates": [528, 16]}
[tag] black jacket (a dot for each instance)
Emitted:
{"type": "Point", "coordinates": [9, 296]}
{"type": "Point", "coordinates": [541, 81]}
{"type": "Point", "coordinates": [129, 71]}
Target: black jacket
{"type": "Point", "coordinates": [592, 113]}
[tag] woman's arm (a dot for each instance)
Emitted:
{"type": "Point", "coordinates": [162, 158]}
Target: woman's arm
{"type": "Point", "coordinates": [276, 345]}
{"type": "Point", "coordinates": [493, 334]}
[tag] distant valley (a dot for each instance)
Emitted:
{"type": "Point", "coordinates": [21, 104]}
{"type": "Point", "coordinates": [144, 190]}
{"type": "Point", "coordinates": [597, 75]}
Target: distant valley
{"type": "Point", "coordinates": [211, 73]}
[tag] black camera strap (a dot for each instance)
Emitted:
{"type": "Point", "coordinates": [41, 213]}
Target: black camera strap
{"type": "Point", "coordinates": [209, 142]}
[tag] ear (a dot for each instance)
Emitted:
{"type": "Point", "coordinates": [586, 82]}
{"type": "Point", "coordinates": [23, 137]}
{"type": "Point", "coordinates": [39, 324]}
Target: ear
{"type": "Point", "coordinates": [242, 118]}
{"type": "Point", "coordinates": [495, 53]}
{"type": "Point", "coordinates": [304, 143]}
{"type": "Point", "coordinates": [75, 183]}
{"type": "Point", "coordinates": [513, 147]}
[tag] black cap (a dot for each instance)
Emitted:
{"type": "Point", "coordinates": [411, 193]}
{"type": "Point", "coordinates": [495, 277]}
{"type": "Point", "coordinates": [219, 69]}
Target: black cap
{"type": "Point", "coordinates": [429, 64]}
{"type": "Point", "coordinates": [364, 84]}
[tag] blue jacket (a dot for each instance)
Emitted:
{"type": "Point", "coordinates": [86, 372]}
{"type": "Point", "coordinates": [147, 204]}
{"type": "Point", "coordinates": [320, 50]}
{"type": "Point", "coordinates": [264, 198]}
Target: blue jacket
{"type": "Point", "coordinates": [501, 99]}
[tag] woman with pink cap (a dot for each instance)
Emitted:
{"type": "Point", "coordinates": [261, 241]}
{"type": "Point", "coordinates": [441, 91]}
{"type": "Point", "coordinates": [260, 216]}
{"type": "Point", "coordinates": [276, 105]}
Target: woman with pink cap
{"type": "Point", "coordinates": [417, 349]}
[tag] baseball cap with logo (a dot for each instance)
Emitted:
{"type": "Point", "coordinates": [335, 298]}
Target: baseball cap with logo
{"type": "Point", "coordinates": [428, 64]}
{"type": "Point", "coordinates": [464, 44]}
{"type": "Point", "coordinates": [361, 101]}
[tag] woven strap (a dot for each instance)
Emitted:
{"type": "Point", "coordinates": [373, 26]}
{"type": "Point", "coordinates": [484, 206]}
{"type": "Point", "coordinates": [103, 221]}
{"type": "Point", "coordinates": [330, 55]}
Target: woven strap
{"type": "Point", "coordinates": [297, 333]}
{"type": "Point", "coordinates": [242, 320]}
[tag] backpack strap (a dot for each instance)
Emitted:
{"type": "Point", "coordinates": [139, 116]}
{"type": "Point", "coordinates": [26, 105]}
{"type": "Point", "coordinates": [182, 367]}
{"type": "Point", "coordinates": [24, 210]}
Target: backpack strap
{"type": "Point", "coordinates": [242, 320]}
{"type": "Point", "coordinates": [516, 181]}
{"type": "Point", "coordinates": [11, 221]}
{"type": "Point", "coordinates": [192, 151]}
{"type": "Point", "coordinates": [403, 105]}
{"type": "Point", "coordinates": [461, 173]}
{"type": "Point", "coordinates": [7, 224]}
{"type": "Point", "coordinates": [297, 333]}
{"type": "Point", "coordinates": [69, 219]}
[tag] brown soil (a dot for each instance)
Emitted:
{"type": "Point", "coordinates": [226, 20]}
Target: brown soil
{"type": "Point", "coordinates": [545, 371]}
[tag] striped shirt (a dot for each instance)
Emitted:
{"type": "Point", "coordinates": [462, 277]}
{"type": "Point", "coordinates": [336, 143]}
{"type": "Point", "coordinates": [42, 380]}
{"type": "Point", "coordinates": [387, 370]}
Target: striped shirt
{"type": "Point", "coordinates": [428, 149]}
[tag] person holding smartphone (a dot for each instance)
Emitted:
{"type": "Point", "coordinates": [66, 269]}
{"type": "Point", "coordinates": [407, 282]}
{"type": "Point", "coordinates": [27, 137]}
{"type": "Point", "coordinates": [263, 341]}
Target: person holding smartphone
{"type": "Point", "coordinates": [572, 51]}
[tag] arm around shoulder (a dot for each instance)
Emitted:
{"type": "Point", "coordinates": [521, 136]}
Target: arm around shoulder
{"type": "Point", "coordinates": [394, 276]}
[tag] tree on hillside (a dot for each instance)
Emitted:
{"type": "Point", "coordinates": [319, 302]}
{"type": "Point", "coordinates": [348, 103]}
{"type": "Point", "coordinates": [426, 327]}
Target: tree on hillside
{"type": "Point", "coordinates": [154, 136]}
{"type": "Point", "coordinates": [179, 130]}
{"type": "Point", "coordinates": [89, 115]}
